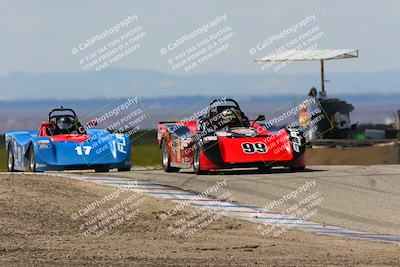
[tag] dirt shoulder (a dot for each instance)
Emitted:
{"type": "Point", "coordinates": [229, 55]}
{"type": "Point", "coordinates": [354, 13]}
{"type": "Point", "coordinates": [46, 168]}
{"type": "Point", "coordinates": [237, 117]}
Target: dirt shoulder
{"type": "Point", "coordinates": [36, 228]}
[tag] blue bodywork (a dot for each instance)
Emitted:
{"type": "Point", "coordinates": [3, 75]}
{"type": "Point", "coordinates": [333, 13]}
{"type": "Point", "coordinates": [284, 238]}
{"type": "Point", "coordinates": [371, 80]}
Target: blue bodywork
{"type": "Point", "coordinates": [102, 150]}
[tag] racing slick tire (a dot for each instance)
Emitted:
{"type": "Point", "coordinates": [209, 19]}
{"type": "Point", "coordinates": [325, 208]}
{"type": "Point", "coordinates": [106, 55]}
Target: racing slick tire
{"type": "Point", "coordinates": [196, 162]}
{"type": "Point", "coordinates": [264, 168]}
{"type": "Point", "coordinates": [299, 165]}
{"type": "Point", "coordinates": [101, 169]}
{"type": "Point", "coordinates": [297, 169]}
{"type": "Point", "coordinates": [298, 144]}
{"type": "Point", "coordinates": [10, 159]}
{"type": "Point", "coordinates": [125, 169]}
{"type": "Point", "coordinates": [166, 159]}
{"type": "Point", "coordinates": [31, 159]}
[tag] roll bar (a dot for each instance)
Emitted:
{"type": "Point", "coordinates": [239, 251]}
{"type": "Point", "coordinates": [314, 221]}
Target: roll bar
{"type": "Point", "coordinates": [62, 109]}
{"type": "Point", "coordinates": [225, 100]}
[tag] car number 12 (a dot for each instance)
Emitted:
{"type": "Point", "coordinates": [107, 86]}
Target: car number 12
{"type": "Point", "coordinates": [250, 148]}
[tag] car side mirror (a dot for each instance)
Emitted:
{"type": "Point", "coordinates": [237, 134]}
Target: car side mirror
{"type": "Point", "coordinates": [45, 124]}
{"type": "Point", "coordinates": [259, 118]}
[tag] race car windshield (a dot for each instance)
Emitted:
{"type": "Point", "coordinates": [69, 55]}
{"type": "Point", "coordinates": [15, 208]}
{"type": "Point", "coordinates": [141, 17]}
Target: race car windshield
{"type": "Point", "coordinates": [230, 116]}
{"type": "Point", "coordinates": [64, 123]}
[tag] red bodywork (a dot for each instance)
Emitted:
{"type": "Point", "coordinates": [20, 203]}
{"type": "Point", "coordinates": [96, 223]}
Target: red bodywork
{"type": "Point", "coordinates": [79, 138]}
{"type": "Point", "coordinates": [278, 144]}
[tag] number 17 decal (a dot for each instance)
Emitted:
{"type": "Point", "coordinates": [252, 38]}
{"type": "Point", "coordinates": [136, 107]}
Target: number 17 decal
{"type": "Point", "coordinates": [84, 149]}
{"type": "Point", "coordinates": [250, 148]}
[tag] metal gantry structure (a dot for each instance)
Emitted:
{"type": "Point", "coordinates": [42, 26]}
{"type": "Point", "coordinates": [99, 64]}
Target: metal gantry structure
{"type": "Point", "coordinates": [311, 55]}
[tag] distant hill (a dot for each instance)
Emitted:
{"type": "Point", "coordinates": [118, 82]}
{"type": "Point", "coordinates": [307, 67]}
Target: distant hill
{"type": "Point", "coordinates": [26, 98]}
{"type": "Point", "coordinates": [27, 114]}
{"type": "Point", "coordinates": [114, 83]}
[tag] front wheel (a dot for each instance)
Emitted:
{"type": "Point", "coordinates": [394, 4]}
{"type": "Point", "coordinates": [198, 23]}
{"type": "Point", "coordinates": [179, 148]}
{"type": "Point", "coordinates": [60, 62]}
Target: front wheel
{"type": "Point", "coordinates": [10, 159]}
{"type": "Point", "coordinates": [102, 169]}
{"type": "Point", "coordinates": [166, 159]}
{"type": "Point", "coordinates": [31, 160]}
{"type": "Point", "coordinates": [197, 163]}
{"type": "Point", "coordinates": [124, 169]}
{"type": "Point", "coordinates": [296, 169]}
{"type": "Point", "coordinates": [298, 165]}
{"type": "Point", "coordinates": [264, 168]}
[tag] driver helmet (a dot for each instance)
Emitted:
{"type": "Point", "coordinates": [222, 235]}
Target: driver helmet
{"type": "Point", "coordinates": [64, 123]}
{"type": "Point", "coordinates": [313, 92]}
{"type": "Point", "coordinates": [227, 115]}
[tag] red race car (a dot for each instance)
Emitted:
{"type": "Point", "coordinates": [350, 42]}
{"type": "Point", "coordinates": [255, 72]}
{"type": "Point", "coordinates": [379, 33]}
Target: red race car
{"type": "Point", "coordinates": [222, 137]}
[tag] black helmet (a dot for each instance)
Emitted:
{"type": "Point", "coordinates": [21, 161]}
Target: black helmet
{"type": "Point", "coordinates": [313, 92]}
{"type": "Point", "coordinates": [64, 123]}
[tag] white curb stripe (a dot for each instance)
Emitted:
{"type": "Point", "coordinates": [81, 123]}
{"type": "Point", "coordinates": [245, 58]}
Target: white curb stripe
{"type": "Point", "coordinates": [245, 212]}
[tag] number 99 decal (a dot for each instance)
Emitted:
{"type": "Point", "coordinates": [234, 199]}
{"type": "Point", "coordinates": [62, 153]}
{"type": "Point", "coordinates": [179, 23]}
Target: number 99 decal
{"type": "Point", "coordinates": [250, 148]}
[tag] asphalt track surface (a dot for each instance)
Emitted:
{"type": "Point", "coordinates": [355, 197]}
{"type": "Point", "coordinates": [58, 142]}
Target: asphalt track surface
{"type": "Point", "coordinates": [363, 198]}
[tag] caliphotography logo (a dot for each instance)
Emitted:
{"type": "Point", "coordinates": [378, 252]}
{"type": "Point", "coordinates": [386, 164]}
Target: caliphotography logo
{"type": "Point", "coordinates": [184, 133]}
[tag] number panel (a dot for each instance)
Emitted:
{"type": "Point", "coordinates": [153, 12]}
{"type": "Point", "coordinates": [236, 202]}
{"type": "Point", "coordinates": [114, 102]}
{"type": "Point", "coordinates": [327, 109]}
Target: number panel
{"type": "Point", "coordinates": [251, 148]}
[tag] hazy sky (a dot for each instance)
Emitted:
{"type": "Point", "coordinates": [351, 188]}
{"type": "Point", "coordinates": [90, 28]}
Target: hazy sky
{"type": "Point", "coordinates": [37, 36]}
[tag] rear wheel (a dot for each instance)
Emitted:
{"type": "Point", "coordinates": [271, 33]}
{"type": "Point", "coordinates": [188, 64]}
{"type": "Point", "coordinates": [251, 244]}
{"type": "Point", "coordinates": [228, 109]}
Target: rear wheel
{"type": "Point", "coordinates": [197, 163]}
{"type": "Point", "coordinates": [31, 160]}
{"type": "Point", "coordinates": [10, 159]}
{"type": "Point", "coordinates": [166, 159]}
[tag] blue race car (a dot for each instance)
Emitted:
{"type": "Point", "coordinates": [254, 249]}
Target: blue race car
{"type": "Point", "coordinates": [63, 143]}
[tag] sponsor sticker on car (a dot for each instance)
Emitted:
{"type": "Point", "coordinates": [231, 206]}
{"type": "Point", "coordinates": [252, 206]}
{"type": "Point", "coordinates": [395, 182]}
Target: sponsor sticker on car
{"type": "Point", "coordinates": [42, 144]}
